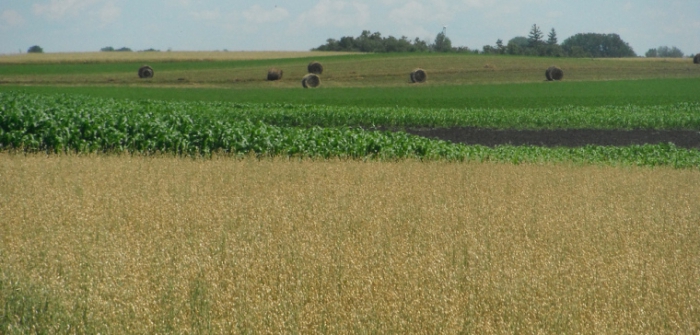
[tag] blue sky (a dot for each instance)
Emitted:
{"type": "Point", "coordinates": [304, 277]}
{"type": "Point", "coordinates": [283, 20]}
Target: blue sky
{"type": "Point", "coordinates": [206, 25]}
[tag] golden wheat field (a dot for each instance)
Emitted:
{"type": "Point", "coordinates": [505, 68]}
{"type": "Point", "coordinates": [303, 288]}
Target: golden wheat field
{"type": "Point", "coordinates": [143, 245]}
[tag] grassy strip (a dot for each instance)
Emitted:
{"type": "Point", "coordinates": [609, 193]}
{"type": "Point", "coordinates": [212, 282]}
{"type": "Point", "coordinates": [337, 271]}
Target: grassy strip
{"type": "Point", "coordinates": [508, 96]}
{"type": "Point", "coordinates": [80, 124]}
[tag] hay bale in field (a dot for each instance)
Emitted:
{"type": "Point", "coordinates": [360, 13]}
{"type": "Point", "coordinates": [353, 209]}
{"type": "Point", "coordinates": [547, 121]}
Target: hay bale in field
{"type": "Point", "coordinates": [274, 74]}
{"type": "Point", "coordinates": [315, 68]}
{"type": "Point", "coordinates": [310, 80]}
{"type": "Point", "coordinates": [554, 73]}
{"type": "Point", "coordinates": [418, 76]}
{"type": "Point", "coordinates": [696, 59]}
{"type": "Point", "coordinates": [145, 72]}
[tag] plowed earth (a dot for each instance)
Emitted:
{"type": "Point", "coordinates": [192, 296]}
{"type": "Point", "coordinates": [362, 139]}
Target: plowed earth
{"type": "Point", "coordinates": [562, 137]}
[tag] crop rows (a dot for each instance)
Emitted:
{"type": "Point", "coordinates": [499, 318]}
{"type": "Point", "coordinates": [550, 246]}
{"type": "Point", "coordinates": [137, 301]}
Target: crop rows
{"type": "Point", "coordinates": [63, 123]}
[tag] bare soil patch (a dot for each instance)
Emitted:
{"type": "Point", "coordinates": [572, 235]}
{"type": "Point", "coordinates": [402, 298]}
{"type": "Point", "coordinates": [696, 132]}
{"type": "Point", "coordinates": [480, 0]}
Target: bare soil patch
{"type": "Point", "coordinates": [561, 137]}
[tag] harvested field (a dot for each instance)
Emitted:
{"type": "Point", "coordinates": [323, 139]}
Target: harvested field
{"type": "Point", "coordinates": [176, 56]}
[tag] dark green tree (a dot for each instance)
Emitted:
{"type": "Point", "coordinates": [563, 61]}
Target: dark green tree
{"type": "Point", "coordinates": [500, 47]}
{"type": "Point", "coordinates": [373, 42]}
{"type": "Point", "coordinates": [420, 45]}
{"type": "Point", "coordinates": [665, 52]}
{"type": "Point", "coordinates": [597, 45]}
{"type": "Point", "coordinates": [517, 45]}
{"type": "Point", "coordinates": [535, 36]}
{"type": "Point", "coordinates": [35, 49]}
{"type": "Point", "coordinates": [552, 38]}
{"type": "Point", "coordinates": [442, 43]}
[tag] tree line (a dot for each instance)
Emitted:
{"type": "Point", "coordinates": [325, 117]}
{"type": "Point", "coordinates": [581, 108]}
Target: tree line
{"type": "Point", "coordinates": [590, 45]}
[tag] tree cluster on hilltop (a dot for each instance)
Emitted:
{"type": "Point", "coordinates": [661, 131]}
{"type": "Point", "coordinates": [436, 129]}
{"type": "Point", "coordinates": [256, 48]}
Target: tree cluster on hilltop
{"type": "Point", "coordinates": [664, 52]}
{"type": "Point", "coordinates": [374, 42]}
{"type": "Point", "coordinates": [535, 44]}
{"type": "Point", "coordinates": [579, 45]}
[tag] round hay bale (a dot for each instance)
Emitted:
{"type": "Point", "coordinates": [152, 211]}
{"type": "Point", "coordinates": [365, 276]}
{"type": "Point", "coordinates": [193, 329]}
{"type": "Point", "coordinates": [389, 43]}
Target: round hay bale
{"type": "Point", "coordinates": [696, 59]}
{"type": "Point", "coordinates": [310, 80]}
{"type": "Point", "coordinates": [146, 72]}
{"type": "Point", "coordinates": [554, 73]}
{"type": "Point", "coordinates": [274, 74]}
{"type": "Point", "coordinates": [315, 68]}
{"type": "Point", "coordinates": [418, 76]}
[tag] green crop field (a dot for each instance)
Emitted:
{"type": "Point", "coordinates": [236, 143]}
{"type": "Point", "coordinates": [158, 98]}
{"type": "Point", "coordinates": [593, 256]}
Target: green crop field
{"type": "Point", "coordinates": [210, 200]}
{"type": "Point", "coordinates": [454, 81]}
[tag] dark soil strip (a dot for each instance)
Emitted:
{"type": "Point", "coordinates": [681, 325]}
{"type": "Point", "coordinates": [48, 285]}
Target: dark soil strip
{"type": "Point", "coordinates": [562, 138]}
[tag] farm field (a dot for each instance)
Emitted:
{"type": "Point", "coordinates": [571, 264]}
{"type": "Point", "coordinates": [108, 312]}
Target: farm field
{"type": "Point", "coordinates": [134, 244]}
{"type": "Point", "coordinates": [483, 201]}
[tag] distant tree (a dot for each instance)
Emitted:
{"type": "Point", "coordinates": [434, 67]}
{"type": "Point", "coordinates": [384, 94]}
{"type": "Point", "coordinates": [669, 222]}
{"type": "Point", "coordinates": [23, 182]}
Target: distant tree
{"type": "Point", "coordinates": [517, 45]}
{"type": "Point", "coordinates": [665, 52]}
{"type": "Point", "coordinates": [500, 47]}
{"type": "Point", "coordinates": [487, 49]}
{"type": "Point", "coordinates": [373, 42]}
{"type": "Point", "coordinates": [553, 50]}
{"type": "Point", "coordinates": [35, 49]}
{"type": "Point", "coordinates": [597, 45]}
{"type": "Point", "coordinates": [520, 41]}
{"type": "Point", "coordinates": [420, 45]}
{"type": "Point", "coordinates": [552, 38]}
{"type": "Point", "coordinates": [442, 43]}
{"type": "Point", "coordinates": [535, 37]}
{"type": "Point", "coordinates": [110, 49]}
{"type": "Point", "coordinates": [464, 50]}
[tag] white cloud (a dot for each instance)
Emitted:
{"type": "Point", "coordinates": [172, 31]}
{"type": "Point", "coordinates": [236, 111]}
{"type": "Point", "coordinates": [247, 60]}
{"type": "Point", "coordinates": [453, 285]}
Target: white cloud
{"type": "Point", "coordinates": [57, 9]}
{"type": "Point", "coordinates": [206, 15]}
{"type": "Point", "coordinates": [11, 17]}
{"type": "Point", "coordinates": [479, 3]}
{"type": "Point", "coordinates": [416, 12]}
{"type": "Point", "coordinates": [335, 13]}
{"type": "Point", "coordinates": [257, 14]}
{"type": "Point", "coordinates": [409, 13]}
{"type": "Point", "coordinates": [102, 11]}
{"type": "Point", "coordinates": [628, 6]}
{"type": "Point", "coordinates": [110, 13]}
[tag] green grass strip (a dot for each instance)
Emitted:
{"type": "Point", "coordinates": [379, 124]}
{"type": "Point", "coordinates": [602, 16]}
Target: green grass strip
{"type": "Point", "coordinates": [490, 96]}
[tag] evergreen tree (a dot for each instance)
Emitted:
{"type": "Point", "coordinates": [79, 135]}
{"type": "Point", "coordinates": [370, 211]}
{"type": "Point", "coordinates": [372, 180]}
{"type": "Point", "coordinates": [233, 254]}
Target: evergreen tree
{"type": "Point", "coordinates": [552, 38]}
{"type": "Point", "coordinates": [535, 37]}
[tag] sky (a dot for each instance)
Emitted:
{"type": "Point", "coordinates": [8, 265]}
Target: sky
{"type": "Point", "coordinates": [284, 25]}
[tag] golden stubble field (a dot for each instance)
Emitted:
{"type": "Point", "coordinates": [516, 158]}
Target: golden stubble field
{"type": "Point", "coordinates": [175, 56]}
{"type": "Point", "coordinates": [130, 244]}
{"type": "Point", "coordinates": [359, 70]}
